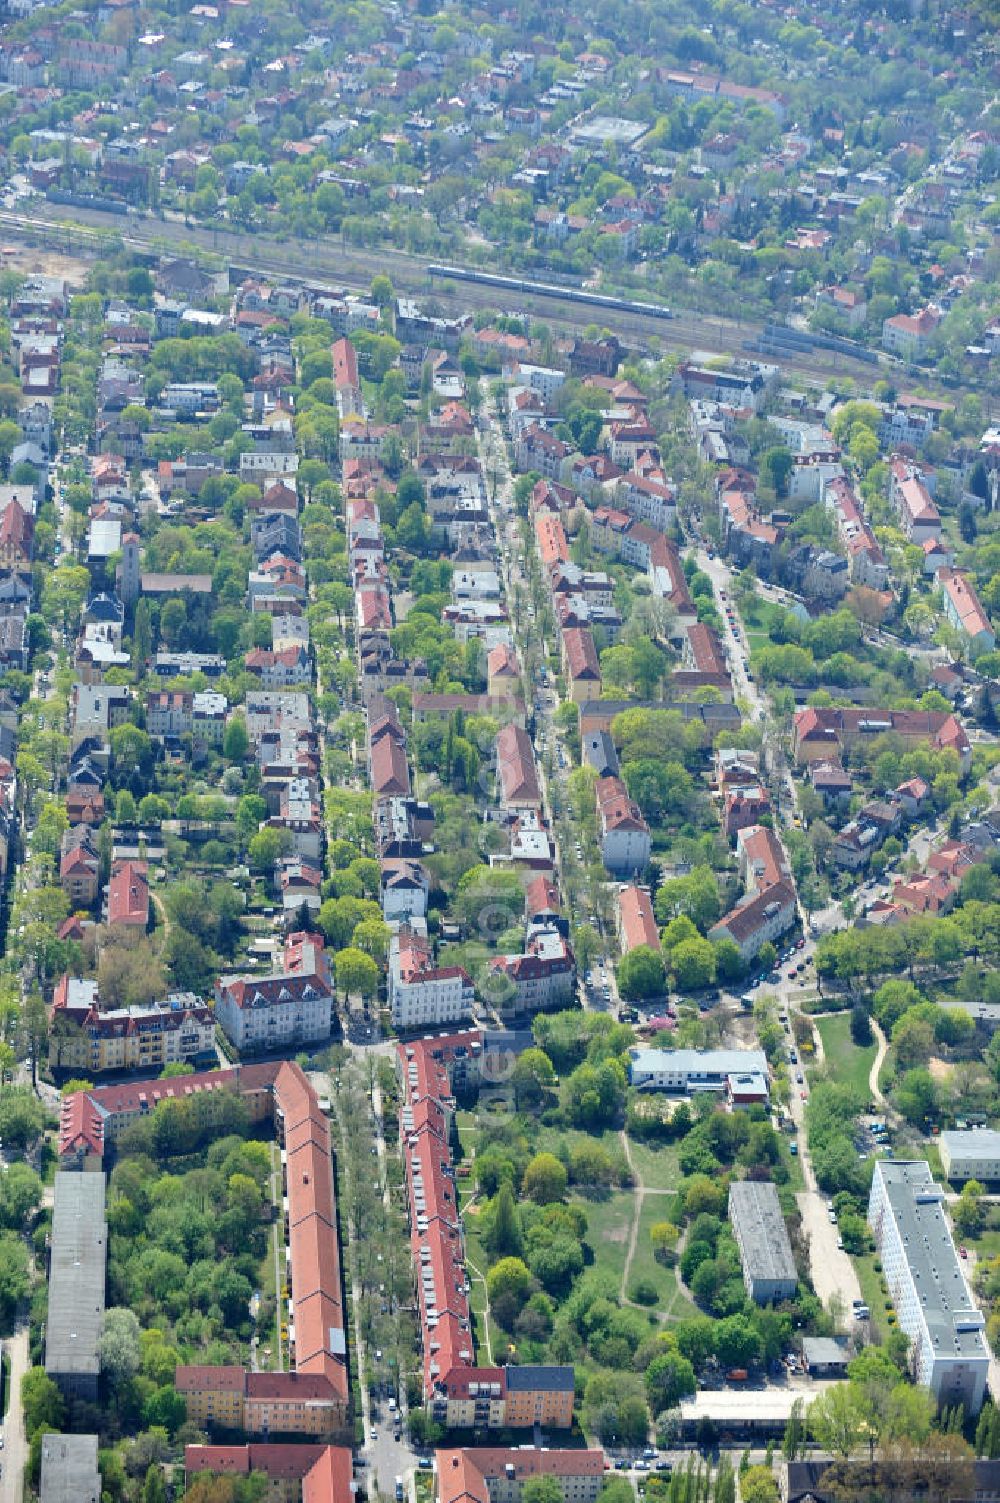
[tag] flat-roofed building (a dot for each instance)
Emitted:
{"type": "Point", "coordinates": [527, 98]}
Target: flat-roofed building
{"type": "Point", "coordinates": [933, 1303]}
{"type": "Point", "coordinates": [69, 1471]}
{"type": "Point", "coordinates": [77, 1268]}
{"type": "Point", "coordinates": [688, 1070]}
{"type": "Point", "coordinates": [971, 1154]}
{"type": "Point", "coordinates": [769, 1270]}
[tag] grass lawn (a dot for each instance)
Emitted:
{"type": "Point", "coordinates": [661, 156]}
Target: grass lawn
{"type": "Point", "coordinates": [671, 1304]}
{"type": "Point", "coordinates": [656, 1165]}
{"type": "Point", "coordinates": [609, 1225]}
{"type": "Point", "coordinates": [871, 1292]}
{"type": "Point", "coordinates": [845, 1062]}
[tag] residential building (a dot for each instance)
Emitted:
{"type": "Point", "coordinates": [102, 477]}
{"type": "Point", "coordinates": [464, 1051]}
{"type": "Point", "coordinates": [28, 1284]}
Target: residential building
{"type": "Point", "coordinates": [296, 1473]}
{"type": "Point", "coordinates": [927, 1285]}
{"type": "Point", "coordinates": [819, 734]}
{"type": "Point", "coordinates": [516, 772]}
{"type": "Point", "coordinates": [539, 980]}
{"type": "Point", "coordinates": [293, 1006]}
{"type": "Point", "coordinates": [459, 1394]}
{"type": "Point", "coordinates": [769, 1271]}
{"type": "Point", "coordinates": [87, 1041]}
{"type": "Point", "coordinates": [919, 517]}
{"type": "Point", "coordinates": [422, 994]}
{"type": "Point", "coordinates": [909, 334]}
{"type": "Point", "coordinates": [624, 834]}
{"type": "Point", "coordinates": [313, 1398]}
{"type": "Point", "coordinates": [964, 611]}
{"type": "Point", "coordinates": [580, 664]}
{"type": "Point", "coordinates": [497, 1474]}
{"type": "Point", "coordinates": [77, 1268]}
{"type": "Point", "coordinates": [636, 923]}
{"type": "Point", "coordinates": [127, 901]}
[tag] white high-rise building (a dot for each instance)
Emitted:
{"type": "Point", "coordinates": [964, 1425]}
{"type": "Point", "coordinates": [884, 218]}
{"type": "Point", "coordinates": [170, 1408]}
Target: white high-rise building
{"type": "Point", "coordinates": [933, 1303]}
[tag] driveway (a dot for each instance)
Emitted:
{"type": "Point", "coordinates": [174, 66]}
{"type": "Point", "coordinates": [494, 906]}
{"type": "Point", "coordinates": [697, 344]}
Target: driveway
{"type": "Point", "coordinates": [15, 1451]}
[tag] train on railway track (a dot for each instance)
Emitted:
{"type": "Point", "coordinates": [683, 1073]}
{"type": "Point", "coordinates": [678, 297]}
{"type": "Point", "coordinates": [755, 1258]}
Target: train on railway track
{"type": "Point", "coordinates": [549, 289]}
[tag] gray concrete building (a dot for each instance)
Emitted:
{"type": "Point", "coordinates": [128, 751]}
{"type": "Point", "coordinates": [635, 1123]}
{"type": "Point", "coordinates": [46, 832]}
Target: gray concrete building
{"type": "Point", "coordinates": [69, 1466]}
{"type": "Point", "coordinates": [971, 1154]}
{"type": "Point", "coordinates": [933, 1302]}
{"type": "Point", "coordinates": [769, 1270]}
{"type": "Point", "coordinates": [77, 1266]}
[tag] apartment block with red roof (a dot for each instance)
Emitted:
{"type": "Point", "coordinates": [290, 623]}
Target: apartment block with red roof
{"type": "Point", "coordinates": [636, 922]}
{"type": "Point", "coordinates": [497, 1474]}
{"type": "Point", "coordinates": [127, 902]}
{"type": "Point", "coordinates": [421, 993]}
{"type": "Point", "coordinates": [458, 1393]}
{"type": "Point", "coordinates": [624, 834]}
{"type": "Point", "coordinates": [964, 610]}
{"type": "Point", "coordinates": [919, 517]}
{"type": "Point", "coordinates": [823, 734]}
{"type": "Point", "coordinates": [293, 1006]}
{"type": "Point", "coordinates": [580, 664]}
{"type": "Point", "coordinates": [295, 1473]}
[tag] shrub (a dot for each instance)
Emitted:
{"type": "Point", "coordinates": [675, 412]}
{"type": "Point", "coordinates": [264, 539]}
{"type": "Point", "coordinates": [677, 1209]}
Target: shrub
{"type": "Point", "coordinates": [644, 1293]}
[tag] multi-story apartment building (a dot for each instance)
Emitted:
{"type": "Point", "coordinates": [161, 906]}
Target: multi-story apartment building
{"type": "Point", "coordinates": [497, 1474]}
{"type": "Point", "coordinates": [820, 734]}
{"type": "Point", "coordinates": [769, 1271]}
{"type": "Point", "coordinates": [313, 1398]}
{"type": "Point", "coordinates": [83, 1039]}
{"type": "Point", "coordinates": [422, 994]}
{"type": "Point", "coordinates": [624, 834]}
{"type": "Point", "coordinates": [964, 610]}
{"type": "Point", "coordinates": [293, 1006]}
{"type": "Point", "coordinates": [932, 1299]}
{"type": "Point", "coordinates": [459, 1394]}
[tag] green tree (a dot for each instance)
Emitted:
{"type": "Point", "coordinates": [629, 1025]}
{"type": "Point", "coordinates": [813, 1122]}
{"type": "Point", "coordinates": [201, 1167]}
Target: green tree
{"type": "Point", "coordinates": [356, 972]}
{"type": "Point", "coordinates": [669, 1379]}
{"type": "Point", "coordinates": [508, 1285]}
{"type": "Point", "coordinates": [641, 974]}
{"type": "Point", "coordinates": [545, 1179]}
{"type": "Point", "coordinates": [236, 742]}
{"type": "Point", "coordinates": [118, 1347]}
{"type": "Point", "coordinates": [542, 1489]}
{"type": "Point", "coordinates": [758, 1485]}
{"type": "Point", "coordinates": [41, 1402]}
{"type": "Point", "coordinates": [502, 1230]}
{"type": "Point", "coordinates": [837, 1420]}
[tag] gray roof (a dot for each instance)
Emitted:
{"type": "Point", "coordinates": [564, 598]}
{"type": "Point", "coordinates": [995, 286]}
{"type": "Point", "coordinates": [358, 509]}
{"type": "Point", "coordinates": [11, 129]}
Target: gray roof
{"type": "Point", "coordinates": [953, 1322]}
{"type": "Point", "coordinates": [701, 1061]}
{"type": "Point", "coordinates": [69, 1466]}
{"type": "Point", "coordinates": [76, 1275]}
{"type": "Point", "coordinates": [976, 1140]}
{"type": "Point", "coordinates": [599, 752]}
{"type": "Point", "coordinates": [825, 1351]}
{"type": "Point", "coordinates": [762, 1234]}
{"type": "Point", "coordinates": [554, 1379]}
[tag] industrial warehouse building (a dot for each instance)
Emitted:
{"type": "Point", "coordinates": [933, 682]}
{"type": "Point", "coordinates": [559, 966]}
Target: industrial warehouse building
{"type": "Point", "coordinates": [69, 1470]}
{"type": "Point", "coordinates": [77, 1267]}
{"type": "Point", "coordinates": [769, 1270]}
{"type": "Point", "coordinates": [928, 1287]}
{"type": "Point", "coordinates": [972, 1154]}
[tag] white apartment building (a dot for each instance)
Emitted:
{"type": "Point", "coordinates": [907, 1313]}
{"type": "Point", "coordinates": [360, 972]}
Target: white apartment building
{"type": "Point", "coordinates": [422, 994]}
{"type": "Point", "coordinates": [933, 1303]}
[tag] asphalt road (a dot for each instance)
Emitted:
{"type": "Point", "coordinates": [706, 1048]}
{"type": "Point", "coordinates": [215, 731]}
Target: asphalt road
{"type": "Point", "coordinates": [328, 259]}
